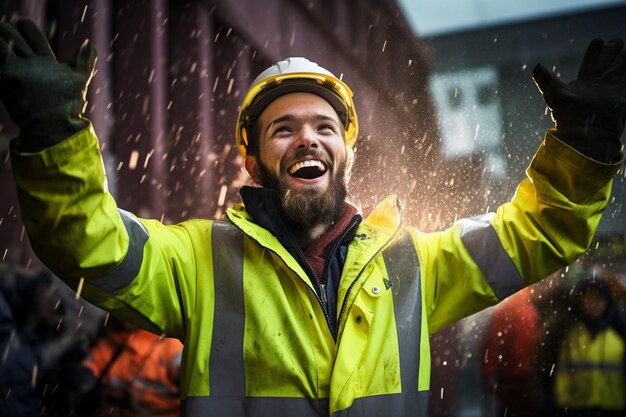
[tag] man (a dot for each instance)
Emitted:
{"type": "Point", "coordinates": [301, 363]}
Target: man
{"type": "Point", "coordinates": [297, 305]}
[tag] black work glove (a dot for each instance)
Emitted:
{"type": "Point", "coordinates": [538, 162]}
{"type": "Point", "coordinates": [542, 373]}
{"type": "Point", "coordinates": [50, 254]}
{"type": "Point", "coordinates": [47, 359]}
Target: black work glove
{"type": "Point", "coordinates": [44, 97]}
{"type": "Point", "coordinates": [590, 112]}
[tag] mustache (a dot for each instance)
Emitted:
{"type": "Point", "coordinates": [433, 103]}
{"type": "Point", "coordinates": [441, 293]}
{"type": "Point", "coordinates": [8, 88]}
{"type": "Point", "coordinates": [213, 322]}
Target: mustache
{"type": "Point", "coordinates": [310, 153]}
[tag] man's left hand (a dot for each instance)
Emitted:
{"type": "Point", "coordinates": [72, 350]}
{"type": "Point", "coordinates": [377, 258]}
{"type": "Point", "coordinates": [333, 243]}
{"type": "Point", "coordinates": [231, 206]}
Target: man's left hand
{"type": "Point", "coordinates": [590, 112]}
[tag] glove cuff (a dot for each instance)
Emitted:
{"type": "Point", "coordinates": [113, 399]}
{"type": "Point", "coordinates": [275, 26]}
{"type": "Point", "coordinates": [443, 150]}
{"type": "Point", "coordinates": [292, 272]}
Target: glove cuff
{"type": "Point", "coordinates": [48, 132]}
{"type": "Point", "coordinates": [593, 142]}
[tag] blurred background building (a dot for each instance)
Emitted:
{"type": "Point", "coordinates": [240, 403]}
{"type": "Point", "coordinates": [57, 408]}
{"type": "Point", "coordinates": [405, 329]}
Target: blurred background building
{"type": "Point", "coordinates": [449, 115]}
{"type": "Point", "coordinates": [171, 75]}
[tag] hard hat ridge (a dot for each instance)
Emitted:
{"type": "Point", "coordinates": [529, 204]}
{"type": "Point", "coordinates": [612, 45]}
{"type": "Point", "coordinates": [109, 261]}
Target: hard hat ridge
{"type": "Point", "coordinates": [291, 65]}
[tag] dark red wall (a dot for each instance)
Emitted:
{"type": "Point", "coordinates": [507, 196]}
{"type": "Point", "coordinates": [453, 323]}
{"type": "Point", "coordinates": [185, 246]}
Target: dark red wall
{"type": "Point", "coordinates": [171, 75]}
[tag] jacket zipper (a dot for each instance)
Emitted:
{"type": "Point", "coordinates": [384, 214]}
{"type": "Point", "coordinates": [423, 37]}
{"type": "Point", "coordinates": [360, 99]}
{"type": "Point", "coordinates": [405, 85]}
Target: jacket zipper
{"type": "Point", "coordinates": [320, 294]}
{"type": "Point", "coordinates": [355, 221]}
{"type": "Point", "coordinates": [310, 273]}
{"type": "Point", "coordinates": [323, 297]}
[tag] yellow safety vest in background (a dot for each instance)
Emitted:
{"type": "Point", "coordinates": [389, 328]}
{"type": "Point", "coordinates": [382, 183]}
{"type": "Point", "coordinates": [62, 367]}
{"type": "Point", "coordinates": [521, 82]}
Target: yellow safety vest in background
{"type": "Point", "coordinates": [590, 370]}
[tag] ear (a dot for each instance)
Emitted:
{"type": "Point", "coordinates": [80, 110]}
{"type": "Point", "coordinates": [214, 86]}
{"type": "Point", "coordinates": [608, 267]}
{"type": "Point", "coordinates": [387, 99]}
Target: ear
{"type": "Point", "coordinates": [253, 169]}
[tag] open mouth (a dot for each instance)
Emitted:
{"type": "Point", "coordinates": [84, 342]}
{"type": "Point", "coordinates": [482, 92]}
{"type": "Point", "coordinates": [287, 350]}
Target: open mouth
{"type": "Point", "coordinates": [309, 169]}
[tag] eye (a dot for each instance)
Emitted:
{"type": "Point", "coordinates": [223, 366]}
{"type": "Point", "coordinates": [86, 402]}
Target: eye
{"type": "Point", "coordinates": [326, 128]}
{"type": "Point", "coordinates": [282, 131]}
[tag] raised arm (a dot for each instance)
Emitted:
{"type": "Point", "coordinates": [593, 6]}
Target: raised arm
{"type": "Point", "coordinates": [555, 211]}
{"type": "Point", "coordinates": [73, 222]}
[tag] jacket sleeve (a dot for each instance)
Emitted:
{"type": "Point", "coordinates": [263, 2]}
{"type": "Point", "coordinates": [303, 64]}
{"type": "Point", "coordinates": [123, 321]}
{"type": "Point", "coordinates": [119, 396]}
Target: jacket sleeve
{"type": "Point", "coordinates": [550, 221]}
{"type": "Point", "coordinates": [139, 270]}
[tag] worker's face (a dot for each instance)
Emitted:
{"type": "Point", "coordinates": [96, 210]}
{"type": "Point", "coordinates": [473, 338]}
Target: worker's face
{"type": "Point", "coordinates": [302, 154]}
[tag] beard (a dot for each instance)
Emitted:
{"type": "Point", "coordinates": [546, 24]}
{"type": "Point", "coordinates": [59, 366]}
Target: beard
{"type": "Point", "coordinates": [311, 207]}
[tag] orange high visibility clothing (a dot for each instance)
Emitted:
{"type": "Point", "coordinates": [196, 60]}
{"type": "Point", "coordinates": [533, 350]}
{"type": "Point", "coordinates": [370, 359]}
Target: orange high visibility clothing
{"type": "Point", "coordinates": [143, 379]}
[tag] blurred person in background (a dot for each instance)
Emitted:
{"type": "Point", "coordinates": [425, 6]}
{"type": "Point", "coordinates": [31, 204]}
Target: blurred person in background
{"type": "Point", "coordinates": [41, 346]}
{"type": "Point", "coordinates": [133, 373]}
{"type": "Point", "coordinates": [509, 349]}
{"type": "Point", "coordinates": [585, 347]}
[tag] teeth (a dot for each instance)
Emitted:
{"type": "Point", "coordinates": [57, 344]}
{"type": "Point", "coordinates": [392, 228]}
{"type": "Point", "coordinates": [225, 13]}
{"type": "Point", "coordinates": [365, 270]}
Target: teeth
{"type": "Point", "coordinates": [304, 164]}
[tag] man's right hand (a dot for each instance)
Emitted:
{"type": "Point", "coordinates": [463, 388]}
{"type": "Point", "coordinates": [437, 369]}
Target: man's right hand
{"type": "Point", "coordinates": [44, 97]}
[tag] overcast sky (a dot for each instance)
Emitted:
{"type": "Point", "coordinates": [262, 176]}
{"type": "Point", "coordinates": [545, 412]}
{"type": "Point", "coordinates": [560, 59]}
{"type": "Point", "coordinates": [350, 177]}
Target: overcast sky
{"type": "Point", "coordinates": [434, 17]}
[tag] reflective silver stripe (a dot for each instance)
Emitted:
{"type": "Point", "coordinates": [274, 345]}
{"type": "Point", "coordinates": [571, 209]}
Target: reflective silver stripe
{"type": "Point", "coordinates": [379, 405]}
{"type": "Point", "coordinates": [253, 406]}
{"type": "Point", "coordinates": [403, 268]}
{"type": "Point", "coordinates": [124, 273]}
{"type": "Point", "coordinates": [406, 404]}
{"type": "Point", "coordinates": [482, 243]}
{"type": "Point", "coordinates": [226, 366]}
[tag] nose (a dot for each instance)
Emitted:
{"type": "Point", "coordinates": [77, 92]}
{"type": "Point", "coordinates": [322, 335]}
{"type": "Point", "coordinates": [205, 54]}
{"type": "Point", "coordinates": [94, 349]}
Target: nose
{"type": "Point", "coordinates": [307, 138]}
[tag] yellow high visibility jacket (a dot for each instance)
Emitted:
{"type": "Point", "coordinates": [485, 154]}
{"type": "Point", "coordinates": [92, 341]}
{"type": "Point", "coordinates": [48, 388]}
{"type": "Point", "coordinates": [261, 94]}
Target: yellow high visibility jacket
{"type": "Point", "coordinates": [256, 339]}
{"type": "Point", "coordinates": [590, 371]}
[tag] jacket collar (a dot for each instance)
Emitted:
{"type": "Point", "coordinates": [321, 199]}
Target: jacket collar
{"type": "Point", "coordinates": [261, 218]}
{"type": "Point", "coordinates": [263, 205]}
{"type": "Point", "coordinates": [386, 217]}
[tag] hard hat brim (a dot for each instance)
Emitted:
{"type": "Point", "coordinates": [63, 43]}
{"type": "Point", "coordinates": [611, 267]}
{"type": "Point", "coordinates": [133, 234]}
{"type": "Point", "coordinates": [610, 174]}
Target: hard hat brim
{"type": "Point", "coordinates": [265, 97]}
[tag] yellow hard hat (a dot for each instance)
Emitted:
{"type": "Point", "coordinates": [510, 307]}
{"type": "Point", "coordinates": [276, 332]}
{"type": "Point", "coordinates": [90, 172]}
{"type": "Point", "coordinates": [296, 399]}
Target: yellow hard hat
{"type": "Point", "coordinates": [295, 75]}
